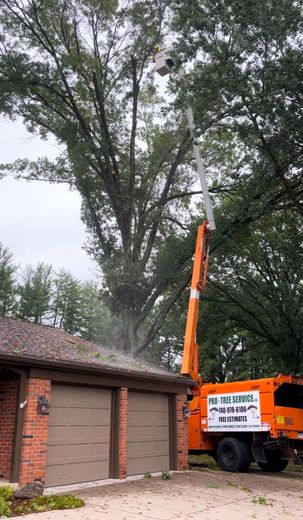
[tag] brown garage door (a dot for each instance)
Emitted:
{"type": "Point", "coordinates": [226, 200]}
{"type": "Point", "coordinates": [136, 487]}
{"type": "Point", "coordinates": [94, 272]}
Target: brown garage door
{"type": "Point", "coordinates": [79, 434]}
{"type": "Point", "coordinates": [148, 433]}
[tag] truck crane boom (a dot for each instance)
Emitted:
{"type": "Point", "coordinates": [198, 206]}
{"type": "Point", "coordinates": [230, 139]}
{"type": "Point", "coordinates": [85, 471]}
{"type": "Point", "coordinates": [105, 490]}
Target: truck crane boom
{"type": "Point", "coordinates": [190, 361]}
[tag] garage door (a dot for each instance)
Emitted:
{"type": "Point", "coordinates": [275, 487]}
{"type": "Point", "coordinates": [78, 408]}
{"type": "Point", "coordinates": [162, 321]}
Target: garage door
{"type": "Point", "coordinates": [148, 433]}
{"type": "Point", "coordinates": [79, 434]}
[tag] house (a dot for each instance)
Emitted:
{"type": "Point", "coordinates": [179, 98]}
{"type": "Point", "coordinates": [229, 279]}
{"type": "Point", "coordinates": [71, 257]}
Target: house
{"type": "Point", "coordinates": [72, 411]}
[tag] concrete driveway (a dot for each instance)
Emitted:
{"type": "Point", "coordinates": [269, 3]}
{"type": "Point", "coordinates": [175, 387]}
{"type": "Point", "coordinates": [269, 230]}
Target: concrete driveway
{"type": "Point", "coordinates": [195, 495]}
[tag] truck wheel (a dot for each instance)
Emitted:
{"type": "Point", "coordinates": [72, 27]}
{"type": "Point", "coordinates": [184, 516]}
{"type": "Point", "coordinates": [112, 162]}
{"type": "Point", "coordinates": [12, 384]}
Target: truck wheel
{"type": "Point", "coordinates": [275, 462]}
{"type": "Point", "coordinates": [233, 455]}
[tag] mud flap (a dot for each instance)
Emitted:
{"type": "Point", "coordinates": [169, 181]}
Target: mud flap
{"type": "Point", "coordinates": [298, 460]}
{"type": "Point", "coordinates": [258, 452]}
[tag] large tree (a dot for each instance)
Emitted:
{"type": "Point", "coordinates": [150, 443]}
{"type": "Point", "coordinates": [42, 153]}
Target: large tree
{"type": "Point", "coordinates": [246, 78]}
{"type": "Point", "coordinates": [244, 81]}
{"type": "Point", "coordinates": [82, 71]}
{"type": "Point", "coordinates": [95, 321]}
{"type": "Point", "coordinates": [65, 302]}
{"type": "Point", "coordinates": [252, 318]}
{"type": "Point", "coordinates": [35, 292]}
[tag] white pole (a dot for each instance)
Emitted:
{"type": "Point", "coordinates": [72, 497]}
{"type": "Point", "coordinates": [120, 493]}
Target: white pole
{"type": "Point", "coordinates": [163, 65]}
{"type": "Point", "coordinates": [201, 170]}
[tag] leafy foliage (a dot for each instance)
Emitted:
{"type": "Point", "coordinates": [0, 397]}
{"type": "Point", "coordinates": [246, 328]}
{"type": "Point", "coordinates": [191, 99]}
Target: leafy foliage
{"type": "Point", "coordinates": [6, 492]}
{"type": "Point", "coordinates": [66, 302]}
{"type": "Point", "coordinates": [254, 304]}
{"type": "Point", "coordinates": [82, 72]}
{"type": "Point", "coordinates": [166, 475]}
{"type": "Point", "coordinates": [7, 282]}
{"type": "Point", "coordinates": [5, 509]}
{"type": "Point", "coordinates": [247, 82]}
{"type": "Point", "coordinates": [50, 503]}
{"type": "Point", "coordinates": [35, 292]}
{"type": "Point", "coordinates": [34, 505]}
{"type": "Point", "coordinates": [95, 320]}
{"type": "Point", "coordinates": [43, 296]}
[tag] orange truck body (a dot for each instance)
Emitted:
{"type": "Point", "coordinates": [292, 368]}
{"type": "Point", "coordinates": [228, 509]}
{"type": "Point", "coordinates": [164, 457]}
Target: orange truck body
{"type": "Point", "coordinates": [260, 419]}
{"type": "Point", "coordinates": [277, 421]}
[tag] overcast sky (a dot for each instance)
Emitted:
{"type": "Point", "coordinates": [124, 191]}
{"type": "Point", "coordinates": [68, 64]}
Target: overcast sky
{"type": "Point", "coordinates": [40, 221]}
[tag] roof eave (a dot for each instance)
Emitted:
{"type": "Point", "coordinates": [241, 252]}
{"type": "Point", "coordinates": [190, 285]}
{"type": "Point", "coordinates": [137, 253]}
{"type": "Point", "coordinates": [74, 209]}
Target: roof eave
{"type": "Point", "coordinates": [28, 361]}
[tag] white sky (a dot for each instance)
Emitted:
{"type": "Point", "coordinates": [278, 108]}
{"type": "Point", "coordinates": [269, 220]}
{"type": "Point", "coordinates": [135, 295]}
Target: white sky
{"type": "Point", "coordinates": [40, 221]}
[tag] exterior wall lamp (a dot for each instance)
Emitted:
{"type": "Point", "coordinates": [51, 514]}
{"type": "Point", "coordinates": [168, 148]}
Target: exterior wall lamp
{"type": "Point", "coordinates": [43, 405]}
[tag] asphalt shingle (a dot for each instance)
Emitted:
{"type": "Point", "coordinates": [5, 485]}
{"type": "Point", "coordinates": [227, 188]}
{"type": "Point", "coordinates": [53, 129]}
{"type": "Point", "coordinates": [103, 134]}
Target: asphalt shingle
{"type": "Point", "coordinates": [26, 339]}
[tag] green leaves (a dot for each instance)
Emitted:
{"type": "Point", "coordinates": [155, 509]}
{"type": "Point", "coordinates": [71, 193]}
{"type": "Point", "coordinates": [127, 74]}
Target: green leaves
{"type": "Point", "coordinates": [7, 281]}
{"type": "Point", "coordinates": [35, 292]}
{"type": "Point", "coordinates": [39, 294]}
{"type": "Point", "coordinates": [247, 78]}
{"type": "Point", "coordinates": [82, 71]}
{"type": "Point", "coordinates": [254, 301]}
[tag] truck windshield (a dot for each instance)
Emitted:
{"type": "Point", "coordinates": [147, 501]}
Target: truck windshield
{"type": "Point", "coordinates": [289, 395]}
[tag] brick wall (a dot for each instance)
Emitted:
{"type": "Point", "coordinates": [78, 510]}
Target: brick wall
{"type": "Point", "coordinates": [8, 407]}
{"type": "Point", "coordinates": [35, 433]}
{"type": "Point", "coordinates": [123, 408]}
{"type": "Point", "coordinates": [182, 434]}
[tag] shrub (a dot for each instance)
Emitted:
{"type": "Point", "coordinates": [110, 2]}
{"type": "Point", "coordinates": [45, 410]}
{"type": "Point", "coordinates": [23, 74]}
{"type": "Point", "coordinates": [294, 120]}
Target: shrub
{"type": "Point", "coordinates": [6, 492]}
{"type": "Point", "coordinates": [5, 508]}
{"type": "Point", "coordinates": [49, 503]}
{"type": "Point", "coordinates": [166, 475]}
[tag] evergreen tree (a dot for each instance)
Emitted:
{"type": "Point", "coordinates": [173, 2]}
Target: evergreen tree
{"type": "Point", "coordinates": [65, 301]}
{"type": "Point", "coordinates": [95, 320]}
{"type": "Point", "coordinates": [35, 293]}
{"type": "Point", "coordinates": [7, 281]}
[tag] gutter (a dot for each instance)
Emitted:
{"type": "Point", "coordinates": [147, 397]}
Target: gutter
{"type": "Point", "coordinates": [75, 366]}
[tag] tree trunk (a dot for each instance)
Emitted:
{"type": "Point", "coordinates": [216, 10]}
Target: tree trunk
{"type": "Point", "coordinates": [127, 338]}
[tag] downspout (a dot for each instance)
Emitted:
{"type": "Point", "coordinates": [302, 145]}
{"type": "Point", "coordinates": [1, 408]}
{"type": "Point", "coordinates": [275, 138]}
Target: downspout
{"type": "Point", "coordinates": [19, 425]}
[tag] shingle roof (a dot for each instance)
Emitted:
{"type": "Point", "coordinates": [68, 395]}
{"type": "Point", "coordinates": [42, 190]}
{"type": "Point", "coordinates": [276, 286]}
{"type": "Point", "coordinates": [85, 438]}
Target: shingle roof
{"type": "Point", "coordinates": [23, 339]}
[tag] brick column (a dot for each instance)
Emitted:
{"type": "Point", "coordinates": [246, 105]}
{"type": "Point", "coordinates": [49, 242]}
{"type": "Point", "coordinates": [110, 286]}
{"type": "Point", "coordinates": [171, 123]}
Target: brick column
{"type": "Point", "coordinates": [182, 434]}
{"type": "Point", "coordinates": [8, 408]}
{"type": "Point", "coordinates": [123, 408]}
{"type": "Point", "coordinates": [35, 433]}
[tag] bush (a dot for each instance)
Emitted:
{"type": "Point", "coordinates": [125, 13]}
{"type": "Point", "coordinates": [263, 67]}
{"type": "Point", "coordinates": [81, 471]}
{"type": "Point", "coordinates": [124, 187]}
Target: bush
{"type": "Point", "coordinates": [166, 475]}
{"type": "Point", "coordinates": [5, 508]}
{"type": "Point", "coordinates": [60, 502]}
{"type": "Point", "coordinates": [50, 503]}
{"type": "Point", "coordinates": [6, 492]}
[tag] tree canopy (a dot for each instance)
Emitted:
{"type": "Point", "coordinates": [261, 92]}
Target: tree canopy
{"type": "Point", "coordinates": [82, 71]}
{"type": "Point", "coordinates": [254, 301]}
{"type": "Point", "coordinates": [44, 296]}
{"type": "Point", "coordinates": [246, 85]}
{"type": "Point", "coordinates": [7, 284]}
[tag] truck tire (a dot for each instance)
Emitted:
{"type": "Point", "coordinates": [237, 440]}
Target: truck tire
{"type": "Point", "coordinates": [275, 463]}
{"type": "Point", "coordinates": [233, 455]}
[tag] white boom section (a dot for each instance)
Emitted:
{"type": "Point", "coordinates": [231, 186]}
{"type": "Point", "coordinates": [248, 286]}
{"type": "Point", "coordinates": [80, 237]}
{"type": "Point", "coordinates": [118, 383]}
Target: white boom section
{"type": "Point", "coordinates": [164, 64]}
{"type": "Point", "coordinates": [201, 170]}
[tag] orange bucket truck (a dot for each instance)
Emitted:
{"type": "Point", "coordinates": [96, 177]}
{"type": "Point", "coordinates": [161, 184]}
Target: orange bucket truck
{"type": "Point", "coordinates": [243, 421]}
